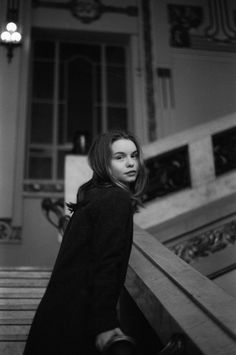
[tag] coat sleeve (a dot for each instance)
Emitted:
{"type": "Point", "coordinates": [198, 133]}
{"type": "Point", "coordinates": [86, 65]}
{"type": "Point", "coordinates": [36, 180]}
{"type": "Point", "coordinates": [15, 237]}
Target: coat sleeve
{"type": "Point", "coordinates": [111, 249]}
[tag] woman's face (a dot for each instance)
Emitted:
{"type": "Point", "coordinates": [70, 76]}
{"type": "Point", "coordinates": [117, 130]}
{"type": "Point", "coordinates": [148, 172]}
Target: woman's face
{"type": "Point", "coordinates": [124, 161]}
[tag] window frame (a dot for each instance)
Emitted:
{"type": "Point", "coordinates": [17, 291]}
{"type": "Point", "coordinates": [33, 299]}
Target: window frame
{"type": "Point", "coordinates": [54, 183]}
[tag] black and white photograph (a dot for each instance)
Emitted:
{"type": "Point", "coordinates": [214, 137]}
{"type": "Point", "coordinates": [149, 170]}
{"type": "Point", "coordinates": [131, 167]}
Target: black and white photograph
{"type": "Point", "coordinates": [117, 177]}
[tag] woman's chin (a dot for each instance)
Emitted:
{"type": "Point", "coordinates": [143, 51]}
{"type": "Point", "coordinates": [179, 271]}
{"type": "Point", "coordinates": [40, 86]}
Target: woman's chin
{"type": "Point", "coordinates": [129, 180]}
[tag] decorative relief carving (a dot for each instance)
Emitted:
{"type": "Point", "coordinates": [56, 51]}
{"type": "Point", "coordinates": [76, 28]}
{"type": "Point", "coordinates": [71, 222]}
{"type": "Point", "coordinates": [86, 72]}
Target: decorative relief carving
{"type": "Point", "coordinates": [212, 27]}
{"type": "Point", "coordinates": [206, 243]}
{"type": "Point", "coordinates": [224, 148]}
{"type": "Point", "coordinates": [9, 233]}
{"type": "Point", "coordinates": [54, 212]}
{"type": "Point", "coordinates": [219, 28]}
{"type": "Point", "coordinates": [87, 11]}
{"type": "Point", "coordinates": [182, 19]}
{"type": "Point", "coordinates": [168, 173]}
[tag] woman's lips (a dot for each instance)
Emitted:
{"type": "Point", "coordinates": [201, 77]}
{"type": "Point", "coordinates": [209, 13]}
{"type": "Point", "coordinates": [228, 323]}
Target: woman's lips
{"type": "Point", "coordinates": [133, 172]}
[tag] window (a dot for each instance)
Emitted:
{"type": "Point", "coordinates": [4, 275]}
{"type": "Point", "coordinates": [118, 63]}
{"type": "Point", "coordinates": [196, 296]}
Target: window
{"type": "Point", "coordinates": [78, 90]}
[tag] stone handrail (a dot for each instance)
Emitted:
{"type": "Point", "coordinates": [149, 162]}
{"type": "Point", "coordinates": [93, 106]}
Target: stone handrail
{"type": "Point", "coordinates": [189, 136]}
{"type": "Point", "coordinates": [205, 186]}
{"type": "Point", "coordinates": [175, 298]}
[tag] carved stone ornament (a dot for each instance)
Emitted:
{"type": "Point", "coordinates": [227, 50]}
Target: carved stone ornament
{"type": "Point", "coordinates": [212, 27]}
{"type": "Point", "coordinates": [9, 233]}
{"type": "Point", "coordinates": [55, 214]}
{"type": "Point", "coordinates": [206, 243]}
{"type": "Point", "coordinates": [86, 10]}
{"type": "Point", "coordinates": [183, 18]}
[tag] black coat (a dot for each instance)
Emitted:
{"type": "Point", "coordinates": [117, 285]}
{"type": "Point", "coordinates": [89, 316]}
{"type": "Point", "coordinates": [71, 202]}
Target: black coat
{"type": "Point", "coordinates": [81, 298]}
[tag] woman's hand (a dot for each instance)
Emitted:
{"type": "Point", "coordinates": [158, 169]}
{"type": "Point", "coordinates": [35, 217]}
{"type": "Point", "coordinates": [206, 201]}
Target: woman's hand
{"type": "Point", "coordinates": [103, 338]}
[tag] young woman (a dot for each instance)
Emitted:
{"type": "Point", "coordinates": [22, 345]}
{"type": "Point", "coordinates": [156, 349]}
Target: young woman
{"type": "Point", "coordinates": [78, 315]}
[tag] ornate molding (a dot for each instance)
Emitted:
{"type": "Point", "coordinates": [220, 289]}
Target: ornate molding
{"type": "Point", "coordinates": [183, 18]}
{"type": "Point", "coordinates": [37, 187]}
{"type": "Point", "coordinates": [87, 11]}
{"type": "Point", "coordinates": [8, 233]}
{"type": "Point", "coordinates": [207, 28]}
{"type": "Point", "coordinates": [206, 243]}
{"type": "Point", "coordinates": [168, 173]}
{"type": "Point", "coordinates": [219, 29]}
{"type": "Point", "coordinates": [55, 213]}
{"type": "Point", "coordinates": [147, 39]}
{"type": "Point", "coordinates": [224, 148]}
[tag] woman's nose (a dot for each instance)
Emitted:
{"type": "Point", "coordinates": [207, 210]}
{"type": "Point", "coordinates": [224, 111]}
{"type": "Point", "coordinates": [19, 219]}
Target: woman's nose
{"type": "Point", "coordinates": [130, 162]}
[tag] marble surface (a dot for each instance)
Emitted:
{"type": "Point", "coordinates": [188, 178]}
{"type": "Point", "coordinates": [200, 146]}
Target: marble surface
{"type": "Point", "coordinates": [175, 297]}
{"type": "Point", "coordinates": [12, 348]}
{"type": "Point", "coordinates": [190, 135]}
{"type": "Point", "coordinates": [228, 282]}
{"type": "Point", "coordinates": [205, 186]}
{"type": "Point", "coordinates": [201, 162]}
{"type": "Point", "coordinates": [77, 172]}
{"type": "Point", "coordinates": [164, 209]}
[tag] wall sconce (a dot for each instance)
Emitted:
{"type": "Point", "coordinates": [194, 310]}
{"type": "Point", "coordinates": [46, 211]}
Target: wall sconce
{"type": "Point", "coordinates": [10, 37]}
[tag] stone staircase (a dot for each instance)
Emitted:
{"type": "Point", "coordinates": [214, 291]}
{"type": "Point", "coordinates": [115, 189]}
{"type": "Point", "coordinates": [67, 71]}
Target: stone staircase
{"type": "Point", "coordinates": [21, 289]}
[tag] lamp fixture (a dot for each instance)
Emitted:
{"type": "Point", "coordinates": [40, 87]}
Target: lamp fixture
{"type": "Point", "coordinates": [10, 37]}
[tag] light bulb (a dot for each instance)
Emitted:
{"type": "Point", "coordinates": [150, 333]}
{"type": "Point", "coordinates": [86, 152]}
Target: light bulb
{"type": "Point", "coordinates": [11, 27]}
{"type": "Point", "coordinates": [16, 37]}
{"type": "Point", "coordinates": [5, 36]}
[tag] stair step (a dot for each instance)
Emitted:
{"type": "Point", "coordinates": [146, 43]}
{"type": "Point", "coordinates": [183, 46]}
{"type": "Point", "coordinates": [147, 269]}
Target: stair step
{"type": "Point", "coordinates": [12, 348]}
{"type": "Point", "coordinates": [16, 316]}
{"type": "Point", "coordinates": [19, 303]}
{"type": "Point", "coordinates": [23, 282]}
{"type": "Point", "coordinates": [21, 292]}
{"type": "Point", "coordinates": [14, 332]}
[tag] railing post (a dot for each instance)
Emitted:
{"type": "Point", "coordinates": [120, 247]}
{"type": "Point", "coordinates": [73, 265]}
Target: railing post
{"type": "Point", "coordinates": [201, 161]}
